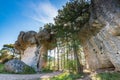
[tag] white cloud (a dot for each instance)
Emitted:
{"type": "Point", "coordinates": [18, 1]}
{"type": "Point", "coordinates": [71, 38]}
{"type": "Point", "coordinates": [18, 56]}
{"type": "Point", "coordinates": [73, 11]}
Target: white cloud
{"type": "Point", "coordinates": [41, 12]}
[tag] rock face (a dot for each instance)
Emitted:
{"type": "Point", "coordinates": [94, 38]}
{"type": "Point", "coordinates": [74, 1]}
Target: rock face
{"type": "Point", "coordinates": [29, 57]}
{"type": "Point", "coordinates": [101, 41]}
{"type": "Point", "coordinates": [15, 66]}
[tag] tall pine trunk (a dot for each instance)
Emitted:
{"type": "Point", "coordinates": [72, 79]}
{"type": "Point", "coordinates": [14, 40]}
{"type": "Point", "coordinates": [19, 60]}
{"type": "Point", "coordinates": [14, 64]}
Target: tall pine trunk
{"type": "Point", "coordinates": [79, 68]}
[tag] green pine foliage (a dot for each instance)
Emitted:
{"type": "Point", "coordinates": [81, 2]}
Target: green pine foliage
{"type": "Point", "coordinates": [72, 18]}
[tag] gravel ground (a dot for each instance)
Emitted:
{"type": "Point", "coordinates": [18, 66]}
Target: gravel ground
{"type": "Point", "coordinates": [27, 76]}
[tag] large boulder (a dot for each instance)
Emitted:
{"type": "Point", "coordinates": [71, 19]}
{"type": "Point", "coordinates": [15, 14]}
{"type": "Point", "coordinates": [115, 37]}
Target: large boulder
{"type": "Point", "coordinates": [16, 66]}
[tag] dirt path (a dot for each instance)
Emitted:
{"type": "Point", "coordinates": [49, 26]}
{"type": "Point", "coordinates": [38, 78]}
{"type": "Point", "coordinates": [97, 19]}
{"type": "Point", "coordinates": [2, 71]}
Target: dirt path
{"type": "Point", "coordinates": [27, 76]}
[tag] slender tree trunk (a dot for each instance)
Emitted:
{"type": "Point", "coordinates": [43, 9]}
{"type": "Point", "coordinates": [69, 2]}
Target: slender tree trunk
{"type": "Point", "coordinates": [49, 58]}
{"type": "Point", "coordinates": [57, 58]}
{"type": "Point", "coordinates": [71, 60]}
{"type": "Point", "coordinates": [54, 59]}
{"type": "Point", "coordinates": [61, 58]}
{"type": "Point", "coordinates": [76, 57]}
{"type": "Point", "coordinates": [64, 58]}
{"type": "Point", "coordinates": [67, 58]}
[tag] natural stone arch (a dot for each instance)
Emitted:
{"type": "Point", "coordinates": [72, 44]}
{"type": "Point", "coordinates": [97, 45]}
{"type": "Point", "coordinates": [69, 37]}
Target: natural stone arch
{"type": "Point", "coordinates": [99, 38]}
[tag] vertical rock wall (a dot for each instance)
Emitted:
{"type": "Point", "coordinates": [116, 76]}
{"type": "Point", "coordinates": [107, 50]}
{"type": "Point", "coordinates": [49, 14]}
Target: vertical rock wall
{"type": "Point", "coordinates": [102, 48]}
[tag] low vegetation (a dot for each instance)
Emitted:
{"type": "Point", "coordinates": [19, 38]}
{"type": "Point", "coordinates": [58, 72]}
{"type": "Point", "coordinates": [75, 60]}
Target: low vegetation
{"type": "Point", "coordinates": [99, 76]}
{"type": "Point", "coordinates": [46, 70]}
{"type": "Point", "coordinates": [67, 76]}
{"type": "Point", "coordinates": [28, 70]}
{"type": "Point", "coordinates": [1, 68]}
{"type": "Point", "coordinates": [107, 76]}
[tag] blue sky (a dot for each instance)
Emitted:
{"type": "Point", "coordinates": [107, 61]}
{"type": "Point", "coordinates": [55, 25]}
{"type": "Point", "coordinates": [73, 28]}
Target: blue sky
{"type": "Point", "coordinates": [25, 15]}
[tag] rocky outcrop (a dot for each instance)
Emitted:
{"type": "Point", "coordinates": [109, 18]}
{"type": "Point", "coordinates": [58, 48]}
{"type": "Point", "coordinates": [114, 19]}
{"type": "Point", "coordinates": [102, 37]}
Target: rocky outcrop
{"type": "Point", "coordinates": [16, 66]}
{"type": "Point", "coordinates": [26, 45]}
{"type": "Point", "coordinates": [33, 47]}
{"type": "Point", "coordinates": [101, 40]}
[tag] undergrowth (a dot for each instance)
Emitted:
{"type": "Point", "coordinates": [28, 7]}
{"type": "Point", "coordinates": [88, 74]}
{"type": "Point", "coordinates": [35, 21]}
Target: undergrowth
{"type": "Point", "coordinates": [67, 76]}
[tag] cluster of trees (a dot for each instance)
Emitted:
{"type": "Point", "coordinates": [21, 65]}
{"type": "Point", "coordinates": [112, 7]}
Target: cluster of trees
{"type": "Point", "coordinates": [68, 23]}
{"type": "Point", "coordinates": [7, 53]}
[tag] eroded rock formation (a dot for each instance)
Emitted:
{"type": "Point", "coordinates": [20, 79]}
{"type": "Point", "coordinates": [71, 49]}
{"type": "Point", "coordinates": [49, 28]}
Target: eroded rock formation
{"type": "Point", "coordinates": [26, 45]}
{"type": "Point", "coordinates": [33, 47]}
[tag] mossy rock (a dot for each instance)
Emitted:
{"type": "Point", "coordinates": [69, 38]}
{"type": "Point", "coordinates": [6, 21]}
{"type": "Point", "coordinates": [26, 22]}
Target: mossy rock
{"type": "Point", "coordinates": [17, 66]}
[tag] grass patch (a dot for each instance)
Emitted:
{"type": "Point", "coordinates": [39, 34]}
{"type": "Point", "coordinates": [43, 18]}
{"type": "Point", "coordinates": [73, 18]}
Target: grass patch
{"type": "Point", "coordinates": [67, 76]}
{"type": "Point", "coordinates": [2, 71]}
{"type": "Point", "coordinates": [107, 76]}
{"type": "Point", "coordinates": [1, 68]}
{"type": "Point", "coordinates": [45, 70]}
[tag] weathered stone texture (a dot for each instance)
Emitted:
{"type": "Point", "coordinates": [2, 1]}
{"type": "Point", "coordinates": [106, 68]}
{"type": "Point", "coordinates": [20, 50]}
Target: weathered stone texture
{"type": "Point", "coordinates": [29, 57]}
{"type": "Point", "coordinates": [102, 48]}
{"type": "Point", "coordinates": [15, 66]}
